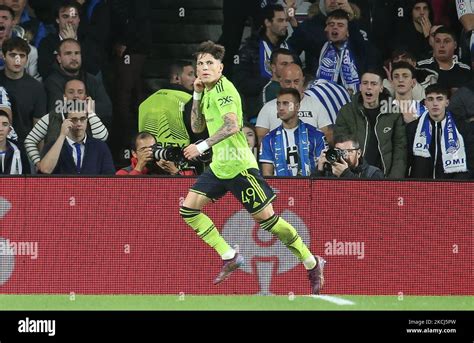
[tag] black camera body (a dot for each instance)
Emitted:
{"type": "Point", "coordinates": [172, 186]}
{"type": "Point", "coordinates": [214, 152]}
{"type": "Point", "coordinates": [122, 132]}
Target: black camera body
{"type": "Point", "coordinates": [334, 155]}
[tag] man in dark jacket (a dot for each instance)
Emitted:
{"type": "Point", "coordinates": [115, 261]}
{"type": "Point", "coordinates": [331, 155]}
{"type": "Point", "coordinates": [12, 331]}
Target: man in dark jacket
{"type": "Point", "coordinates": [74, 22]}
{"type": "Point", "coordinates": [76, 153]}
{"type": "Point", "coordinates": [413, 33]}
{"type": "Point", "coordinates": [348, 163]}
{"type": "Point", "coordinates": [68, 68]}
{"type": "Point", "coordinates": [379, 130]}
{"type": "Point", "coordinates": [436, 143]}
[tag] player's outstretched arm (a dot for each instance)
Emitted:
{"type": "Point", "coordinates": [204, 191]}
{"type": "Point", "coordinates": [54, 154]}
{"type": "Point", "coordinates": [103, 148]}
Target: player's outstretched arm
{"type": "Point", "coordinates": [230, 127]}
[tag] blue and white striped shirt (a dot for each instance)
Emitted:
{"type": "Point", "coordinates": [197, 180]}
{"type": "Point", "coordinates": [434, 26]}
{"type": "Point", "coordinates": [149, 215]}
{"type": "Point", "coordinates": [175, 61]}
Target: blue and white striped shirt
{"type": "Point", "coordinates": [331, 95]}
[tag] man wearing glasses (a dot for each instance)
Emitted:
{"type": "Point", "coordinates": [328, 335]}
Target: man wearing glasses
{"type": "Point", "coordinates": [346, 161]}
{"type": "Point", "coordinates": [74, 152]}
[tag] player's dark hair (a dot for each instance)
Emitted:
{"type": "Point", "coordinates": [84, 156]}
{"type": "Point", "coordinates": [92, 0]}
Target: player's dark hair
{"type": "Point", "coordinates": [209, 47]}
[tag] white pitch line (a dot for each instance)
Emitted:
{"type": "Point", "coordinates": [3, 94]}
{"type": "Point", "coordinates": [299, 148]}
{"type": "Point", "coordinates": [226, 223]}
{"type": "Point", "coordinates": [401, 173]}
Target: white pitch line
{"type": "Point", "coordinates": [335, 300]}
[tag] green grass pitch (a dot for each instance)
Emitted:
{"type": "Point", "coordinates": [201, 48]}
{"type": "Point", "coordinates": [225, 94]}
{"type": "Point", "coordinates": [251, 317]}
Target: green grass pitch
{"type": "Point", "coordinates": [234, 302]}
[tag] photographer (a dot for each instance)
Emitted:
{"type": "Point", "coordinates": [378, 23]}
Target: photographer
{"type": "Point", "coordinates": [143, 162]}
{"type": "Point", "coordinates": [345, 161]}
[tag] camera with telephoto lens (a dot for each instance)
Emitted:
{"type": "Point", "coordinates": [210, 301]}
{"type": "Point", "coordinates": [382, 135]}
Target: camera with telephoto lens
{"type": "Point", "coordinates": [170, 153]}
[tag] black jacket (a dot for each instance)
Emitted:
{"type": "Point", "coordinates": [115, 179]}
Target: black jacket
{"type": "Point", "coordinates": [56, 81]}
{"type": "Point", "coordinates": [426, 168]}
{"type": "Point", "coordinates": [389, 130]}
{"type": "Point", "coordinates": [247, 75]}
{"type": "Point", "coordinates": [362, 171]}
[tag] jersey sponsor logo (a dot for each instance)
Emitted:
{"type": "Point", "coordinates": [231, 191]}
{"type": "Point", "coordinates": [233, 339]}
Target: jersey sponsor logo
{"type": "Point", "coordinates": [225, 100]}
{"type": "Point", "coordinates": [305, 114]}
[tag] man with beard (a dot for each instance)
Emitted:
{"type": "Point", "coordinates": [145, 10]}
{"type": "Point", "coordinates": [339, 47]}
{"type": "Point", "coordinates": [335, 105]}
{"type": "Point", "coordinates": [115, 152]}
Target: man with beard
{"type": "Point", "coordinates": [350, 164]}
{"type": "Point", "coordinates": [68, 68]}
{"type": "Point", "coordinates": [73, 22]}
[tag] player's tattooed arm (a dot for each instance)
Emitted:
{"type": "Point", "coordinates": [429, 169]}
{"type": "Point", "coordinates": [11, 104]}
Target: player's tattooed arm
{"type": "Point", "coordinates": [198, 122]}
{"type": "Point", "coordinates": [230, 127]}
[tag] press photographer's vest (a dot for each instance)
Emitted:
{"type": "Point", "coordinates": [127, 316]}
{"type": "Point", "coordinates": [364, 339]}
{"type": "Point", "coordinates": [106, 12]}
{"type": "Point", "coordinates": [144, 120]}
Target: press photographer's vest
{"type": "Point", "coordinates": [162, 116]}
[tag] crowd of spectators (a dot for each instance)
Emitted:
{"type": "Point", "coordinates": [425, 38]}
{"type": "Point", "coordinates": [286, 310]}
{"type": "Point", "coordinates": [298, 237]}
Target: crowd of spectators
{"type": "Point", "coordinates": [388, 84]}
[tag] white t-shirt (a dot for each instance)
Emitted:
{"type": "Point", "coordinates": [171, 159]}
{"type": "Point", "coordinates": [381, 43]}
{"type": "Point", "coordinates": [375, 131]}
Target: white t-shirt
{"type": "Point", "coordinates": [311, 112]}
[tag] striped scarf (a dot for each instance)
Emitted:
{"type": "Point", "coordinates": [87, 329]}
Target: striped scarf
{"type": "Point", "coordinates": [334, 65]}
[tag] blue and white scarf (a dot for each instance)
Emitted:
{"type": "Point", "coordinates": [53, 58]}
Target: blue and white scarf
{"type": "Point", "coordinates": [264, 60]}
{"type": "Point", "coordinates": [16, 168]}
{"type": "Point", "coordinates": [452, 143]}
{"type": "Point", "coordinates": [333, 65]}
{"type": "Point", "coordinates": [279, 148]}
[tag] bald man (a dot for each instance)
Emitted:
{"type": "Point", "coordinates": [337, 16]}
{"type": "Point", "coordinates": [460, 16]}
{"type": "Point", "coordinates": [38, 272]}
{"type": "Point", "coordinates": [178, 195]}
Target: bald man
{"type": "Point", "coordinates": [311, 110]}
